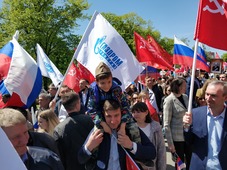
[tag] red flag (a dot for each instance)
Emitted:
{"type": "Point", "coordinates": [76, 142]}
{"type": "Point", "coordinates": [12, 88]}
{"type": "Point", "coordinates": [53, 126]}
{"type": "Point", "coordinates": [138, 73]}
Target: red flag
{"type": "Point", "coordinates": [74, 75]}
{"type": "Point", "coordinates": [166, 56]}
{"type": "Point", "coordinates": [217, 56]}
{"type": "Point", "coordinates": [130, 163]}
{"type": "Point", "coordinates": [152, 111]}
{"type": "Point", "coordinates": [211, 23]}
{"type": "Point", "coordinates": [146, 53]}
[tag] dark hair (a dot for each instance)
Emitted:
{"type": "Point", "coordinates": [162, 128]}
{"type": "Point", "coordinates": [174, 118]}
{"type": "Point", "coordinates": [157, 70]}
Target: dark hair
{"type": "Point", "coordinates": [176, 83]}
{"type": "Point", "coordinates": [165, 89]}
{"type": "Point", "coordinates": [142, 107]}
{"type": "Point", "coordinates": [86, 80]}
{"type": "Point", "coordinates": [111, 105]}
{"type": "Point", "coordinates": [69, 100]}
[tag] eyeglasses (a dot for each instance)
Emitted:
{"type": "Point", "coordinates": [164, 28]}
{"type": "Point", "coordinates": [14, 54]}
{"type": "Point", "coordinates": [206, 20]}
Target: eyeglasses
{"type": "Point", "coordinates": [134, 98]}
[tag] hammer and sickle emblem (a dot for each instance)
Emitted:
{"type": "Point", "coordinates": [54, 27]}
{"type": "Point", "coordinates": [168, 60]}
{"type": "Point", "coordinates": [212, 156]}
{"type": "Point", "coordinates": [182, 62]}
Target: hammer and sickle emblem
{"type": "Point", "coordinates": [217, 10]}
{"type": "Point", "coordinates": [72, 72]}
{"type": "Point", "coordinates": [142, 43]}
{"type": "Point", "coordinates": [149, 40]}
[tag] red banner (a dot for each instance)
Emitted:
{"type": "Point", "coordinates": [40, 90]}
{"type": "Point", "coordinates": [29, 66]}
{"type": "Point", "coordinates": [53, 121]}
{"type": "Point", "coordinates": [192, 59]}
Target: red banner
{"type": "Point", "coordinates": [76, 73]}
{"type": "Point", "coordinates": [146, 53]}
{"type": "Point", "coordinates": [211, 23]}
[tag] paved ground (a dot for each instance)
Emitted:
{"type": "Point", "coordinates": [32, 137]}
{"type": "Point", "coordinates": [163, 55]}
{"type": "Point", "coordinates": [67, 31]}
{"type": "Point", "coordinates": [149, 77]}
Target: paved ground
{"type": "Point", "coordinates": [170, 163]}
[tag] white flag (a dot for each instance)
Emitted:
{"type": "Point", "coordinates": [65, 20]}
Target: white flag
{"type": "Point", "coordinates": [101, 42]}
{"type": "Point", "coordinates": [8, 152]}
{"type": "Point", "coordinates": [47, 68]}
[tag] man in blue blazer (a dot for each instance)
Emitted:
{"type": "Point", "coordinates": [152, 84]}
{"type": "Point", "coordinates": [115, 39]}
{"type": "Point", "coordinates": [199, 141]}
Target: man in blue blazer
{"type": "Point", "coordinates": [108, 151]}
{"type": "Point", "coordinates": [206, 130]}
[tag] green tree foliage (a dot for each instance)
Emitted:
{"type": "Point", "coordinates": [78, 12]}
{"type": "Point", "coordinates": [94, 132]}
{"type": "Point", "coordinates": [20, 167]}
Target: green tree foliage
{"type": "Point", "coordinates": [224, 57]}
{"type": "Point", "coordinates": [44, 22]}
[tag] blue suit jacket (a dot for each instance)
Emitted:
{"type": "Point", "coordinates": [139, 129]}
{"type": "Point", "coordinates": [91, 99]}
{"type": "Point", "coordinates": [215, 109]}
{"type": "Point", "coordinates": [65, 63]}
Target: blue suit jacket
{"type": "Point", "coordinates": [197, 137]}
{"type": "Point", "coordinates": [145, 153]}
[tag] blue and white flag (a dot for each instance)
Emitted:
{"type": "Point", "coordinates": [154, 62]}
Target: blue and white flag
{"type": "Point", "coordinates": [23, 81]}
{"type": "Point", "coordinates": [102, 43]}
{"type": "Point", "coordinates": [47, 68]}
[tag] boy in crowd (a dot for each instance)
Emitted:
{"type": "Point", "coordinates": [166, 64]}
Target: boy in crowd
{"type": "Point", "coordinates": [103, 89]}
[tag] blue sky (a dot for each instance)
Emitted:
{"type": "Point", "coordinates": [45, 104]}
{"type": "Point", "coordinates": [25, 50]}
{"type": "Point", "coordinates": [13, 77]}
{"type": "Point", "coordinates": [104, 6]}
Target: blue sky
{"type": "Point", "coordinates": [169, 17]}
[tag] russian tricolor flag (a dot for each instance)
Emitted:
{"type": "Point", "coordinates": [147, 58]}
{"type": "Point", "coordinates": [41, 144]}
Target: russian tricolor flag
{"type": "Point", "coordinates": [20, 77]}
{"type": "Point", "coordinates": [183, 55]}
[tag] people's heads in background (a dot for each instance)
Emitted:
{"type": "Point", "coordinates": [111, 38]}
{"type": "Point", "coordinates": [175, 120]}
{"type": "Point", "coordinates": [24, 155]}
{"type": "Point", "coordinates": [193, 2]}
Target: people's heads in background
{"type": "Point", "coordinates": [169, 80]}
{"type": "Point", "coordinates": [83, 84]}
{"type": "Point", "coordinates": [159, 80]}
{"type": "Point", "coordinates": [71, 102]}
{"type": "Point", "coordinates": [200, 94]}
{"type": "Point", "coordinates": [52, 90]}
{"type": "Point", "coordinates": [163, 80]}
{"type": "Point", "coordinates": [134, 98]}
{"type": "Point", "coordinates": [131, 89]}
{"type": "Point", "coordinates": [185, 74]}
{"type": "Point", "coordinates": [149, 82]}
{"type": "Point", "coordinates": [44, 100]}
{"type": "Point", "coordinates": [64, 89]}
{"type": "Point", "coordinates": [206, 75]}
{"type": "Point", "coordinates": [141, 112]}
{"type": "Point", "coordinates": [197, 72]}
{"type": "Point", "coordinates": [178, 85]}
{"type": "Point", "coordinates": [103, 77]}
{"type": "Point", "coordinates": [223, 77]}
{"type": "Point", "coordinates": [14, 124]}
{"type": "Point", "coordinates": [143, 95]}
{"type": "Point", "coordinates": [167, 90]}
{"type": "Point", "coordinates": [217, 77]}
{"type": "Point", "coordinates": [47, 121]}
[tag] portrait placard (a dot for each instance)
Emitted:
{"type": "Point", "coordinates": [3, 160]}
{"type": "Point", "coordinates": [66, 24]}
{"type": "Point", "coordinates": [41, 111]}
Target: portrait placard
{"type": "Point", "coordinates": [216, 65]}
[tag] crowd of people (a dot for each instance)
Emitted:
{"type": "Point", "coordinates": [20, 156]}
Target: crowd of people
{"type": "Point", "coordinates": [102, 125]}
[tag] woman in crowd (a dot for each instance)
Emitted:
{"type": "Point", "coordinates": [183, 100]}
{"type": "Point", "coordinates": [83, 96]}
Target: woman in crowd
{"type": "Point", "coordinates": [134, 98]}
{"type": "Point", "coordinates": [47, 120]}
{"type": "Point", "coordinates": [153, 130]}
{"type": "Point", "coordinates": [144, 97]}
{"type": "Point", "coordinates": [174, 108]}
{"type": "Point", "coordinates": [200, 94]}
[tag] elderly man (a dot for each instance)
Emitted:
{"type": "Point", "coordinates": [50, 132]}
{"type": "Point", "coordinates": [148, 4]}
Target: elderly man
{"type": "Point", "coordinates": [14, 124]}
{"type": "Point", "coordinates": [111, 152]}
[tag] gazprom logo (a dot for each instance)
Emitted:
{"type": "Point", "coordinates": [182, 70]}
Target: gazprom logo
{"type": "Point", "coordinates": [48, 67]}
{"type": "Point", "coordinates": [104, 50]}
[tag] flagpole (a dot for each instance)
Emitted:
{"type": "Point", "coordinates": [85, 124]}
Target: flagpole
{"type": "Point", "coordinates": [56, 95]}
{"type": "Point", "coordinates": [193, 77]}
{"type": "Point", "coordinates": [75, 54]}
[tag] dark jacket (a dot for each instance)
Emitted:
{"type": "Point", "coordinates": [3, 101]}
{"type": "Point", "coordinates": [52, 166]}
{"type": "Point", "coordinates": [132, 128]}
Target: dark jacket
{"type": "Point", "coordinates": [70, 135]}
{"type": "Point", "coordinates": [42, 159]}
{"type": "Point", "coordinates": [197, 137]}
{"type": "Point", "coordinates": [42, 140]}
{"type": "Point", "coordinates": [145, 152]}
